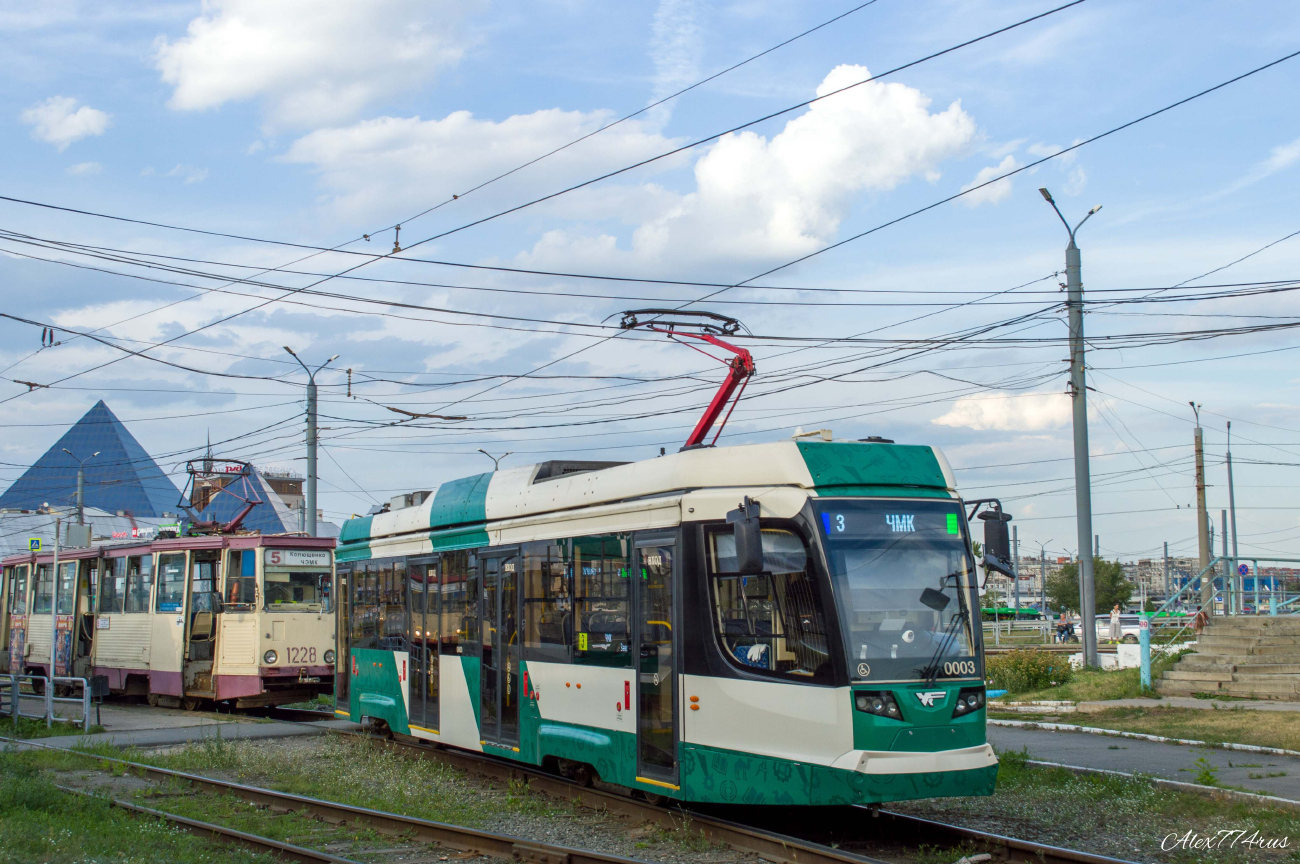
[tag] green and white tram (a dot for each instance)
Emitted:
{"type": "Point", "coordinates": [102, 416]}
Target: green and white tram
{"type": "Point", "coordinates": [781, 623]}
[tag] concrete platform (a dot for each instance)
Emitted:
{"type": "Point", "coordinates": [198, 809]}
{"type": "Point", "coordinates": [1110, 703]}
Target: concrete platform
{"type": "Point", "coordinates": [1189, 702]}
{"type": "Point", "coordinates": [1168, 761]}
{"type": "Point", "coordinates": [146, 726]}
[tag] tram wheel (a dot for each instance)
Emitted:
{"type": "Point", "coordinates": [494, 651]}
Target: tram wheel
{"type": "Point", "coordinates": [654, 799]}
{"type": "Point", "coordinates": [583, 774]}
{"type": "Point", "coordinates": [189, 703]}
{"type": "Point", "coordinates": [152, 699]}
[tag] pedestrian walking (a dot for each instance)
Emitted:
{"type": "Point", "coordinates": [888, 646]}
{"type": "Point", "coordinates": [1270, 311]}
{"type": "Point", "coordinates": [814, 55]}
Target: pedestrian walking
{"type": "Point", "coordinates": [1116, 632]}
{"type": "Point", "coordinates": [1201, 619]}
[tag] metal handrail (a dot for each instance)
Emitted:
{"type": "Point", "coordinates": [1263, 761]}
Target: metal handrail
{"type": "Point", "coordinates": [48, 699]}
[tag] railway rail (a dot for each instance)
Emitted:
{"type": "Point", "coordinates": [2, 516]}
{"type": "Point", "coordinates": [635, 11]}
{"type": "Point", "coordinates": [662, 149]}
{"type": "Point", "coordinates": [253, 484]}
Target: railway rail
{"type": "Point", "coordinates": [791, 835]}
{"type": "Point", "coordinates": [838, 835]}
{"type": "Point", "coordinates": [456, 837]}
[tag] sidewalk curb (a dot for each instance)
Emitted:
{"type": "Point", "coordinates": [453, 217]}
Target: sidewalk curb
{"type": "Point", "coordinates": [1194, 788]}
{"type": "Point", "coordinates": [1141, 736]}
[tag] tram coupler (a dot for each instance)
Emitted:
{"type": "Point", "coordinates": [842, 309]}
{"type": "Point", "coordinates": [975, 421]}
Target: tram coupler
{"type": "Point", "coordinates": [874, 807]}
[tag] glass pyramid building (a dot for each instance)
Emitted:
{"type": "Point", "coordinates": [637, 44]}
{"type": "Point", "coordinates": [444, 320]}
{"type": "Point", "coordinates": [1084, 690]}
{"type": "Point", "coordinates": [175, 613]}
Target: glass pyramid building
{"type": "Point", "coordinates": [121, 478]}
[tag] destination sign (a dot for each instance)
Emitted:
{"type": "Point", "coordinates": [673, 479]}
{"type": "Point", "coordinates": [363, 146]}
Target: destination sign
{"type": "Point", "coordinates": [297, 558]}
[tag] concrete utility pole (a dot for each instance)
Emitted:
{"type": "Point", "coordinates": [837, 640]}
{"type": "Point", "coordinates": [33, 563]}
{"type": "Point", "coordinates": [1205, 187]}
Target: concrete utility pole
{"type": "Point", "coordinates": [1042, 578]}
{"type": "Point", "coordinates": [81, 483]}
{"type": "Point", "coordinates": [1202, 517]}
{"type": "Point", "coordinates": [1015, 567]}
{"type": "Point", "coordinates": [1167, 588]}
{"type": "Point", "coordinates": [1078, 394]}
{"type": "Point", "coordinates": [54, 626]}
{"type": "Point", "coordinates": [1227, 574]}
{"type": "Point", "coordinates": [311, 438]}
{"type": "Point", "coordinates": [1232, 513]}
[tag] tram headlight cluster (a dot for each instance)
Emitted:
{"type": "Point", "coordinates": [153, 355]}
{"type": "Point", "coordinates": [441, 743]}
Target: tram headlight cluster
{"type": "Point", "coordinates": [329, 656]}
{"type": "Point", "coordinates": [968, 700]}
{"type": "Point", "coordinates": [878, 702]}
{"type": "Point", "coordinates": [270, 657]}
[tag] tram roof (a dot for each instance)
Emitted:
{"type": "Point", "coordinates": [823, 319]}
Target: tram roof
{"type": "Point", "coordinates": [859, 468]}
{"type": "Point", "coordinates": [130, 546]}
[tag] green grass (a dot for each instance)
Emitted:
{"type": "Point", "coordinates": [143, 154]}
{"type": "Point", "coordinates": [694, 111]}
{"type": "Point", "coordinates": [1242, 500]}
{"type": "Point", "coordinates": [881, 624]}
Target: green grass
{"type": "Point", "coordinates": [42, 823]}
{"type": "Point", "coordinates": [1233, 725]}
{"type": "Point", "coordinates": [1122, 817]}
{"type": "Point", "coordinates": [1090, 685]}
{"type": "Point", "coordinates": [29, 728]}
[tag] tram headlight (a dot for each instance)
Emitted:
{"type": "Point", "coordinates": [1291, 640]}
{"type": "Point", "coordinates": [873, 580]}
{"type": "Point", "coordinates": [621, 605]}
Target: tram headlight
{"type": "Point", "coordinates": [969, 700]}
{"type": "Point", "coordinates": [270, 657]}
{"type": "Point", "coordinates": [329, 656]}
{"type": "Point", "coordinates": [878, 702]}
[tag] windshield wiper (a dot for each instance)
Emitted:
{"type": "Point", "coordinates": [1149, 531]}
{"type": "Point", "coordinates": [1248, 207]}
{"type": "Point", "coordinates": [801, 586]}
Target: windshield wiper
{"type": "Point", "coordinates": [931, 670]}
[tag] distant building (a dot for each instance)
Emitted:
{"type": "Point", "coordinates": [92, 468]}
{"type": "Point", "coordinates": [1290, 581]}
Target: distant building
{"type": "Point", "coordinates": [122, 477]}
{"type": "Point", "coordinates": [19, 527]}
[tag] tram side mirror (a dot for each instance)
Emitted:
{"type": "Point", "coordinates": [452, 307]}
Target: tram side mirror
{"type": "Point", "coordinates": [997, 542]}
{"type": "Point", "coordinates": [749, 539]}
{"type": "Point", "coordinates": [936, 600]}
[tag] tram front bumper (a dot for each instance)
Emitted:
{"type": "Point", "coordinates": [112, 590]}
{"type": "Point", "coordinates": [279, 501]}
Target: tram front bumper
{"type": "Point", "coordinates": [910, 762]}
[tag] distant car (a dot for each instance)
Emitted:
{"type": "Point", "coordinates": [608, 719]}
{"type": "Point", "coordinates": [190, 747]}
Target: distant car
{"type": "Point", "coordinates": [1129, 626]}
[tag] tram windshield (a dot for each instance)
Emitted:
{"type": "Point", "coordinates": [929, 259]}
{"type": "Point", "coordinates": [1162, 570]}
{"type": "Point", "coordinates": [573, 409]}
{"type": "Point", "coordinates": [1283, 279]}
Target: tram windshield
{"type": "Point", "coordinates": [903, 576]}
{"type": "Point", "coordinates": [297, 591]}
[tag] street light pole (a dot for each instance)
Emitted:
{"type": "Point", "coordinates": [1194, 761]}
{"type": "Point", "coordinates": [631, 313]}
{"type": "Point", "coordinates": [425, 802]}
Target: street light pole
{"type": "Point", "coordinates": [310, 504]}
{"type": "Point", "coordinates": [1082, 474]}
{"type": "Point", "coordinates": [81, 484]}
{"type": "Point", "coordinates": [496, 460]}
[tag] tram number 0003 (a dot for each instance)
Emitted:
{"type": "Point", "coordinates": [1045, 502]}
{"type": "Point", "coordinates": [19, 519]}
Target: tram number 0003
{"type": "Point", "coordinates": [302, 655]}
{"type": "Point", "coordinates": [959, 667]}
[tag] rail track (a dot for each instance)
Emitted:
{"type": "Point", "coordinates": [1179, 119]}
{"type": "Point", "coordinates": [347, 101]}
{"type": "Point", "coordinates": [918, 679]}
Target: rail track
{"type": "Point", "coordinates": [454, 837]}
{"type": "Point", "coordinates": [791, 835]}
{"type": "Point", "coordinates": [838, 835]}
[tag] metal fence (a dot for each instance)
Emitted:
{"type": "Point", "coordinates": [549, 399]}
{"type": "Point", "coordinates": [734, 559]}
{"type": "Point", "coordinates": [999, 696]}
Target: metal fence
{"type": "Point", "coordinates": [12, 698]}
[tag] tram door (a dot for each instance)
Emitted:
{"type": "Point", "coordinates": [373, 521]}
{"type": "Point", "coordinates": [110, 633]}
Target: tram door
{"type": "Point", "coordinates": [499, 671]}
{"type": "Point", "coordinates": [422, 575]}
{"type": "Point", "coordinates": [657, 710]}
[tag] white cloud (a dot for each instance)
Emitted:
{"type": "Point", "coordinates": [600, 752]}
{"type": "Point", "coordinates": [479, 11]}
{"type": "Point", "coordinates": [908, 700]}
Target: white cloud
{"type": "Point", "coordinates": [1009, 412]}
{"type": "Point", "coordinates": [388, 163]}
{"type": "Point", "coordinates": [82, 169]}
{"type": "Point", "coordinates": [311, 62]}
{"type": "Point", "coordinates": [1282, 157]}
{"type": "Point", "coordinates": [188, 173]}
{"type": "Point", "coordinates": [753, 198]}
{"type": "Point", "coordinates": [757, 198]}
{"type": "Point", "coordinates": [994, 192]}
{"type": "Point", "coordinates": [675, 47]}
{"type": "Point", "coordinates": [59, 121]}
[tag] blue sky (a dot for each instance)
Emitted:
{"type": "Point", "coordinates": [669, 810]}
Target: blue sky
{"type": "Point", "coordinates": [316, 123]}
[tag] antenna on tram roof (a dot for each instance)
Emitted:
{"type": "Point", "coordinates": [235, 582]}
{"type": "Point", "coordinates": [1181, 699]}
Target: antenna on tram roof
{"type": "Point", "coordinates": [706, 327]}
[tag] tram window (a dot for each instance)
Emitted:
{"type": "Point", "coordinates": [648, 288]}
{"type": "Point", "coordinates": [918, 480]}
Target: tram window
{"type": "Point", "coordinates": [365, 606]}
{"type": "Point", "coordinates": [139, 582]}
{"type": "Point", "coordinates": [772, 623]}
{"type": "Point", "coordinates": [112, 589]}
{"type": "Point", "coordinates": [601, 598]}
{"type": "Point", "coordinates": [241, 579]}
{"type": "Point", "coordinates": [459, 608]}
{"type": "Point", "coordinates": [67, 587]}
{"type": "Point", "coordinates": [171, 582]}
{"type": "Point", "coordinates": [89, 584]}
{"type": "Point", "coordinates": [44, 590]}
{"type": "Point", "coordinates": [205, 575]}
{"type": "Point", "coordinates": [18, 596]}
{"type": "Point", "coordinates": [293, 591]}
{"type": "Point", "coordinates": [548, 603]}
{"type": "Point", "coordinates": [392, 605]}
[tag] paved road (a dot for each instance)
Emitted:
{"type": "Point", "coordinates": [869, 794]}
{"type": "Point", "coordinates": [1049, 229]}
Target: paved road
{"type": "Point", "coordinates": [1170, 761]}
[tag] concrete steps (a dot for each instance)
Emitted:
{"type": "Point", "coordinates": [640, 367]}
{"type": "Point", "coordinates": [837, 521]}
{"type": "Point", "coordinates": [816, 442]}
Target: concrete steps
{"type": "Point", "coordinates": [1248, 657]}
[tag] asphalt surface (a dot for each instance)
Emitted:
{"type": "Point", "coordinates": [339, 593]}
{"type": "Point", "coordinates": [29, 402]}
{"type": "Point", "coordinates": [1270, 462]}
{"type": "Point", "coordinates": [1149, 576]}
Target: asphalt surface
{"type": "Point", "coordinates": [1237, 769]}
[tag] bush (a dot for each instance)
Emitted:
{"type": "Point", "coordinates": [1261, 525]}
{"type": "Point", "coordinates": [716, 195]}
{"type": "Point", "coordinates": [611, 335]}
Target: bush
{"type": "Point", "coordinates": [1026, 669]}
